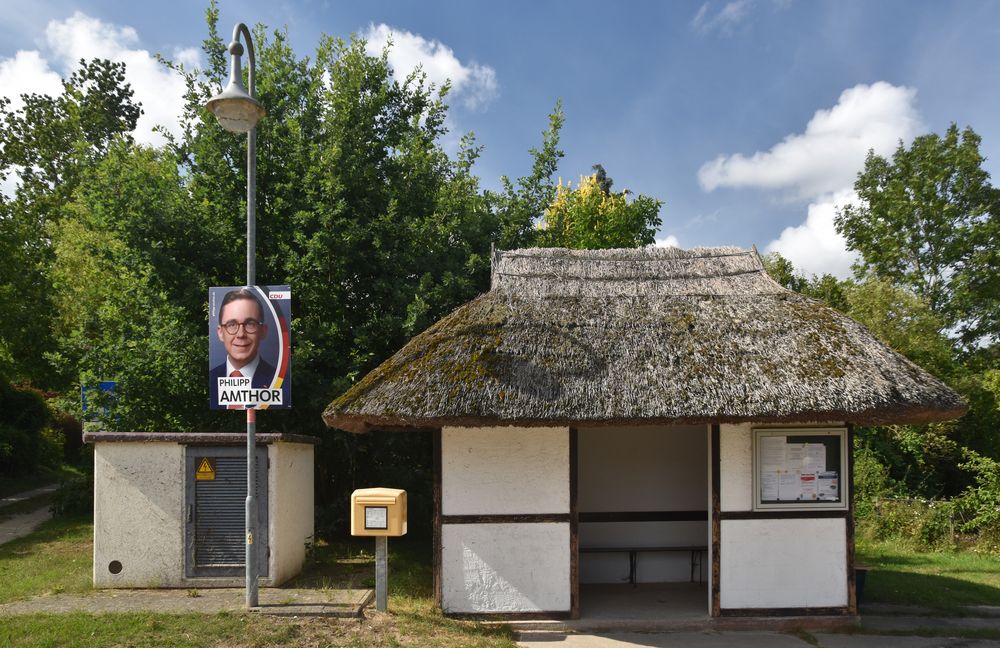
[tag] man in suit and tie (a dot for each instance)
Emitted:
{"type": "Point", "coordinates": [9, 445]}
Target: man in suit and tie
{"type": "Point", "coordinates": [241, 329]}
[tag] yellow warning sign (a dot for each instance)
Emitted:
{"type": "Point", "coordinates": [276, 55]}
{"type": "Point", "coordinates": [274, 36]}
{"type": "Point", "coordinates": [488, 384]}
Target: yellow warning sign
{"type": "Point", "coordinates": [206, 470]}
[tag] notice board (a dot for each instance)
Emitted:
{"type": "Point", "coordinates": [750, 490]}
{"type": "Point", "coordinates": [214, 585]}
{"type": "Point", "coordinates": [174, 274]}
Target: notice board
{"type": "Point", "coordinates": [800, 468]}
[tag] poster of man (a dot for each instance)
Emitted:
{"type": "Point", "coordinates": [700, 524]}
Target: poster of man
{"type": "Point", "coordinates": [249, 347]}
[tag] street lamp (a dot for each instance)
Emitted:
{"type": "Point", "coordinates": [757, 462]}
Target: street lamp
{"type": "Point", "coordinates": [238, 111]}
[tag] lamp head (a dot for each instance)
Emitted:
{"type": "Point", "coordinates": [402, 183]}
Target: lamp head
{"type": "Point", "coordinates": [236, 110]}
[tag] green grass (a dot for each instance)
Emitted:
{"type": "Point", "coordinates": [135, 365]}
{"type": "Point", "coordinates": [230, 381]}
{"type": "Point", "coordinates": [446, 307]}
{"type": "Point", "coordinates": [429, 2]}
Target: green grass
{"type": "Point", "coordinates": [413, 618]}
{"type": "Point", "coordinates": [141, 629]}
{"type": "Point", "coordinates": [942, 581]}
{"type": "Point", "coordinates": [55, 558]}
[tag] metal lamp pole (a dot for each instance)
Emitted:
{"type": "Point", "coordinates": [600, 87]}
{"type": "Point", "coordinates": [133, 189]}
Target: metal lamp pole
{"type": "Point", "coordinates": [238, 111]}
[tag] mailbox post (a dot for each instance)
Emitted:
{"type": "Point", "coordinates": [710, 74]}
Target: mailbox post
{"type": "Point", "coordinates": [379, 512]}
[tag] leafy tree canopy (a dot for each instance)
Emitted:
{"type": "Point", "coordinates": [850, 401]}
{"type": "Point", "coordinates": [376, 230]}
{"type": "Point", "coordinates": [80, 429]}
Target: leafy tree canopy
{"type": "Point", "coordinates": [928, 219]}
{"type": "Point", "coordinates": [589, 217]}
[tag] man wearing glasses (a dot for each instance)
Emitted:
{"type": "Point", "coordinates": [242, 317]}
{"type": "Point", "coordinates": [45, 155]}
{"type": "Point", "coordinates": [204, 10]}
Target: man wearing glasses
{"type": "Point", "coordinates": [241, 330]}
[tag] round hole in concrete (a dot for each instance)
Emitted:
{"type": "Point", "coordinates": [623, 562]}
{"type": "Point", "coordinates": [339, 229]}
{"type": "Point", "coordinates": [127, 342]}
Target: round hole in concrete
{"type": "Point", "coordinates": [115, 567]}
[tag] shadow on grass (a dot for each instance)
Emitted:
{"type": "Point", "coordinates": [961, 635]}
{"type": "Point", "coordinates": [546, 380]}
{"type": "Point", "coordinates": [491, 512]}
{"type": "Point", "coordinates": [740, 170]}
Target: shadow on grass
{"type": "Point", "coordinates": [886, 585]}
{"type": "Point", "coordinates": [350, 564]}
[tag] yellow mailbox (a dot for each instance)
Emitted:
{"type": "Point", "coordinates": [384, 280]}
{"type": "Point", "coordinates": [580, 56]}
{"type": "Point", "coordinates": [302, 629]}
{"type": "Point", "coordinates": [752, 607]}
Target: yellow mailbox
{"type": "Point", "coordinates": [378, 512]}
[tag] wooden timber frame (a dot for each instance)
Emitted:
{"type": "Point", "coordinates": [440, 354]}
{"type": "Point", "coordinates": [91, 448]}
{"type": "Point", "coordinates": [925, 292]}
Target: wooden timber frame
{"type": "Point", "coordinates": [573, 518]}
{"type": "Point", "coordinates": [718, 515]}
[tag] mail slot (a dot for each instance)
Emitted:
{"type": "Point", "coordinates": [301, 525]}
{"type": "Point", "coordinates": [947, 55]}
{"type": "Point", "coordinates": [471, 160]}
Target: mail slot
{"type": "Point", "coordinates": [378, 512]}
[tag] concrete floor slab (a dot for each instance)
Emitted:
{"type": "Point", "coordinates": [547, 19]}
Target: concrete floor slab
{"type": "Point", "coordinates": [663, 640]}
{"type": "Point", "coordinates": [679, 601]}
{"type": "Point", "coordinates": [877, 641]}
{"type": "Point", "coordinates": [915, 623]}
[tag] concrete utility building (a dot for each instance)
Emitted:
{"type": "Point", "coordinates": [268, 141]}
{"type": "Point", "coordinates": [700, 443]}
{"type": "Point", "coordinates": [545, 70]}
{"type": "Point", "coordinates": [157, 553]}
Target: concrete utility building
{"type": "Point", "coordinates": [619, 417]}
{"type": "Point", "coordinates": [169, 508]}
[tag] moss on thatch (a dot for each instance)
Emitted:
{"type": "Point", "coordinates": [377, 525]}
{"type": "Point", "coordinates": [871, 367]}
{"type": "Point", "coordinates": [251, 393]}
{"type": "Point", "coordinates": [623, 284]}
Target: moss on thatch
{"type": "Point", "coordinates": [640, 336]}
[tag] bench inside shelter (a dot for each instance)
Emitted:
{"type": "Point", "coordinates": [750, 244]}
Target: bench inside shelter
{"type": "Point", "coordinates": [643, 505]}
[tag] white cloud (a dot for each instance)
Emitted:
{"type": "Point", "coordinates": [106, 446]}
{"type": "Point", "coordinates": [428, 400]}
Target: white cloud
{"type": "Point", "coordinates": [820, 165]}
{"type": "Point", "coordinates": [158, 89]}
{"type": "Point", "coordinates": [669, 241]}
{"type": "Point", "coordinates": [475, 84]}
{"type": "Point", "coordinates": [815, 247]}
{"type": "Point", "coordinates": [828, 155]}
{"type": "Point", "coordinates": [724, 21]}
{"type": "Point", "coordinates": [27, 73]}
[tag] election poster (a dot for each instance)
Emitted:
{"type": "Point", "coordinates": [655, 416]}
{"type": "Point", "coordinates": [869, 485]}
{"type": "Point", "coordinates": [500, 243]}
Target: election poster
{"type": "Point", "coordinates": [249, 347]}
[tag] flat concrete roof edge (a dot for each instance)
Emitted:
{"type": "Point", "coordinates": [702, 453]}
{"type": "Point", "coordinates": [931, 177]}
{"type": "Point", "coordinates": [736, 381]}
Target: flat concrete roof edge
{"type": "Point", "coordinates": [196, 438]}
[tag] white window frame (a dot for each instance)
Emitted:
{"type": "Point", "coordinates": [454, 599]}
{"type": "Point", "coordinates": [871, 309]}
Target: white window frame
{"type": "Point", "coordinates": [842, 473]}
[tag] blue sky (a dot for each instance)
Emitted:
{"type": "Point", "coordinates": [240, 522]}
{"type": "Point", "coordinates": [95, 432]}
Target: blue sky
{"type": "Point", "coordinates": [748, 118]}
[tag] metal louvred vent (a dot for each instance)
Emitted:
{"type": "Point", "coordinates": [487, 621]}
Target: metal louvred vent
{"type": "Point", "coordinates": [219, 511]}
{"type": "Point", "coordinates": [215, 537]}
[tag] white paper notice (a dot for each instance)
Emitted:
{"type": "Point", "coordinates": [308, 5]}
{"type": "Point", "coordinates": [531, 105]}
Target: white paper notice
{"type": "Point", "coordinates": [772, 454]}
{"type": "Point", "coordinates": [772, 462]}
{"type": "Point", "coordinates": [827, 486]}
{"type": "Point", "coordinates": [795, 454]}
{"type": "Point", "coordinates": [807, 486]}
{"type": "Point", "coordinates": [815, 459]}
{"type": "Point", "coordinates": [789, 486]}
{"type": "Point", "coordinates": [769, 487]}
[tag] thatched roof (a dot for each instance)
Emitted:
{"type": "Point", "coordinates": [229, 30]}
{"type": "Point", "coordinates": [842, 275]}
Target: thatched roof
{"type": "Point", "coordinates": [646, 336]}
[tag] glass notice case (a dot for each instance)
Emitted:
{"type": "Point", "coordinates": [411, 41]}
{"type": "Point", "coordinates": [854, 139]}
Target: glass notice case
{"type": "Point", "coordinates": [800, 468]}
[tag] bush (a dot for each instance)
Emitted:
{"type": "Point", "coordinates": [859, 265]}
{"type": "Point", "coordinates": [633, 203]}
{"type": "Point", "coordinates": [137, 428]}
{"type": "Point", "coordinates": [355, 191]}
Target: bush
{"type": "Point", "coordinates": [75, 496]}
{"type": "Point", "coordinates": [924, 525]}
{"type": "Point", "coordinates": [51, 448]}
{"type": "Point", "coordinates": [979, 505]}
{"type": "Point", "coordinates": [70, 429]}
{"type": "Point", "coordinates": [23, 416]}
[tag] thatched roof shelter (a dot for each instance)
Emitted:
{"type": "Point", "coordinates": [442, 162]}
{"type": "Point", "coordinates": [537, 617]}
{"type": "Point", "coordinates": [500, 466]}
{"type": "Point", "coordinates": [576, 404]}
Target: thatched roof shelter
{"type": "Point", "coordinates": [647, 336]}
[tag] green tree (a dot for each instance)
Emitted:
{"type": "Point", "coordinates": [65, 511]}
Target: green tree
{"type": "Point", "coordinates": [520, 208]}
{"type": "Point", "coordinates": [781, 270]}
{"type": "Point", "coordinates": [587, 217]}
{"type": "Point", "coordinates": [129, 302]}
{"type": "Point", "coordinates": [825, 288]}
{"type": "Point", "coordinates": [48, 144]}
{"type": "Point", "coordinates": [928, 220]}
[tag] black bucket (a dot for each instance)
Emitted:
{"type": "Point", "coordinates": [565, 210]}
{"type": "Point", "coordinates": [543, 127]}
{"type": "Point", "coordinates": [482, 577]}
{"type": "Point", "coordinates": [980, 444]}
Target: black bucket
{"type": "Point", "coordinates": [860, 575]}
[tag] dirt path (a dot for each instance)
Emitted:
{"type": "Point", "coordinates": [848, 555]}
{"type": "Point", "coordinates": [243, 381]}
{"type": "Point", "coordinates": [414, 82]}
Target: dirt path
{"type": "Point", "coordinates": [22, 524]}
{"type": "Point", "coordinates": [26, 495]}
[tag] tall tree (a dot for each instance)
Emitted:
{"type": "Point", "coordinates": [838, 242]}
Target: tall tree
{"type": "Point", "coordinates": [48, 144]}
{"type": "Point", "coordinates": [603, 180]}
{"type": "Point", "coordinates": [587, 217]}
{"type": "Point", "coordinates": [521, 207]}
{"type": "Point", "coordinates": [928, 219]}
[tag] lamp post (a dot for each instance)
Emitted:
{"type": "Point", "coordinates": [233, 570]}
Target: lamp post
{"type": "Point", "coordinates": [238, 111]}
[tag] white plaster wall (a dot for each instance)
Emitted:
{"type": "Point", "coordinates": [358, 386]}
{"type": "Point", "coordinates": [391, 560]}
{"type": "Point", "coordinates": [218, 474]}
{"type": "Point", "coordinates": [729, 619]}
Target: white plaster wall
{"type": "Point", "coordinates": [641, 468]}
{"type": "Point", "coordinates": [290, 497]}
{"type": "Point", "coordinates": [505, 567]}
{"type": "Point", "coordinates": [736, 467]}
{"type": "Point", "coordinates": [138, 517]}
{"type": "Point", "coordinates": [773, 563]}
{"type": "Point", "coordinates": [504, 470]}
